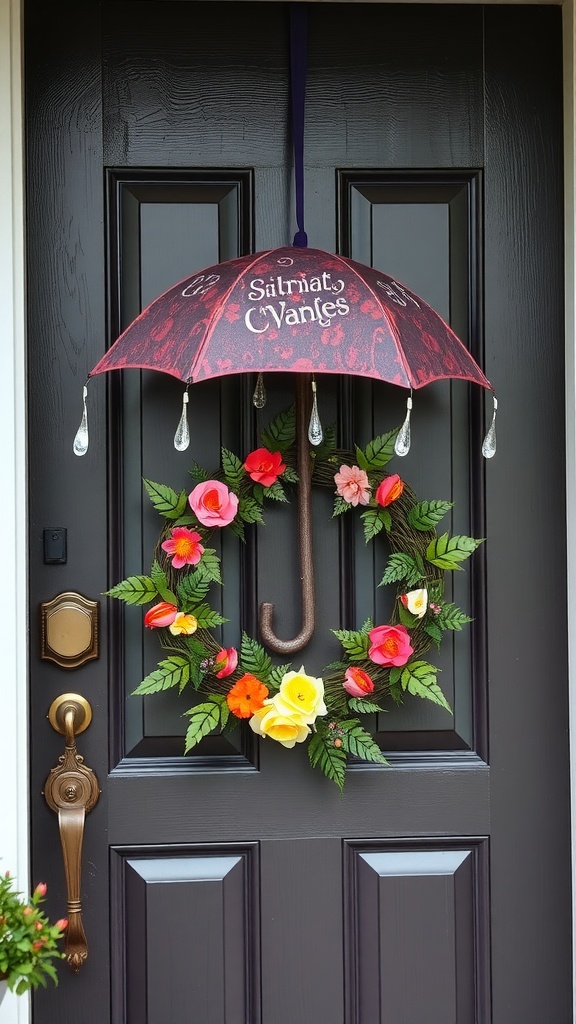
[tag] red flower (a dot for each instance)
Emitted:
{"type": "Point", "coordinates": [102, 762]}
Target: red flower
{"type": "Point", "coordinates": [246, 696]}
{"type": "Point", "coordinates": [225, 662]}
{"type": "Point", "coordinates": [160, 615]}
{"type": "Point", "coordinates": [390, 489]}
{"type": "Point", "coordinates": [390, 645]}
{"type": "Point", "coordinates": [183, 546]}
{"type": "Point", "coordinates": [264, 467]}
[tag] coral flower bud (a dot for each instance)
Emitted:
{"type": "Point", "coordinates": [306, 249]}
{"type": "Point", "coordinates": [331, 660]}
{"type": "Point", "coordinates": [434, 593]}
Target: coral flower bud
{"type": "Point", "coordinates": [160, 615]}
{"type": "Point", "coordinates": [41, 889]}
{"type": "Point", "coordinates": [62, 924]}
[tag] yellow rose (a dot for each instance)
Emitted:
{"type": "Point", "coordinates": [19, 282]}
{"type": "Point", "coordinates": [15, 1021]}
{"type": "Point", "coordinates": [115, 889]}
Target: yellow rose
{"type": "Point", "coordinates": [301, 694]}
{"type": "Point", "coordinates": [286, 729]}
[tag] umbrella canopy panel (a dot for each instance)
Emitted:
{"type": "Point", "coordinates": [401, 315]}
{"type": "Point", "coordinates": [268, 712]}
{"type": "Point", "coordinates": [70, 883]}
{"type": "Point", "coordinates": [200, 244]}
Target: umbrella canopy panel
{"type": "Point", "coordinates": [291, 309]}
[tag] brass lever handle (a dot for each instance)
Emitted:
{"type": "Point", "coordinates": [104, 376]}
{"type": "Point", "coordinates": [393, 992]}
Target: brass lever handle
{"type": "Point", "coordinates": [71, 791]}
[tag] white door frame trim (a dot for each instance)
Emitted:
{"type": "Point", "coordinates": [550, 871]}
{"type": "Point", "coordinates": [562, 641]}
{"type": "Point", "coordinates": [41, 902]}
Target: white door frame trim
{"type": "Point", "coordinates": [14, 850]}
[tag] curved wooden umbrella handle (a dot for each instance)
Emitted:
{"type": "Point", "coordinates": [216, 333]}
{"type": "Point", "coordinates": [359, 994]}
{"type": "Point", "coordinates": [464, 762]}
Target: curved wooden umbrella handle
{"type": "Point", "coordinates": [305, 537]}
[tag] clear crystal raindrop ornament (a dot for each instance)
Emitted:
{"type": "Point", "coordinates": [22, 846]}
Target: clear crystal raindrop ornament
{"type": "Point", "coordinates": [182, 435]}
{"type": "Point", "coordinates": [315, 432]}
{"type": "Point", "coordinates": [489, 443]}
{"type": "Point", "coordinates": [402, 443]}
{"type": "Point", "coordinates": [80, 446]}
{"type": "Point", "coordinates": [259, 396]}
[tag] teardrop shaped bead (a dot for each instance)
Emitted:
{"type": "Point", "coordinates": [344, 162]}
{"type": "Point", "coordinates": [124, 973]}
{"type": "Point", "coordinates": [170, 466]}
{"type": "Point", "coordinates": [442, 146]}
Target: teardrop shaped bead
{"type": "Point", "coordinates": [315, 432]}
{"type": "Point", "coordinates": [182, 435]}
{"type": "Point", "coordinates": [489, 443]}
{"type": "Point", "coordinates": [259, 396]}
{"type": "Point", "coordinates": [80, 446]}
{"type": "Point", "coordinates": [402, 443]}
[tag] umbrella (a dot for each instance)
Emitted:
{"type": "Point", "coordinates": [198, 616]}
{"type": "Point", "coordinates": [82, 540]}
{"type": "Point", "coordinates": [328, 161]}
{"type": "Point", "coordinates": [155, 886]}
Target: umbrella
{"type": "Point", "coordinates": [300, 310]}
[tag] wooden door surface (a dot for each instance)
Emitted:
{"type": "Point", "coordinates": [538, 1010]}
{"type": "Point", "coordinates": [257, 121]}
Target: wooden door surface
{"type": "Point", "coordinates": [236, 885]}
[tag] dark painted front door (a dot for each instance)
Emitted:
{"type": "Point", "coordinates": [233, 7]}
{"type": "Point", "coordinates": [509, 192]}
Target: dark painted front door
{"type": "Point", "coordinates": [236, 886]}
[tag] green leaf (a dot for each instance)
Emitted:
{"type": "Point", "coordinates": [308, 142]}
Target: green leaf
{"type": "Point", "coordinates": [237, 528]}
{"type": "Point", "coordinates": [380, 450]}
{"type": "Point", "coordinates": [426, 514]}
{"type": "Point", "coordinates": [250, 511]}
{"type": "Point", "coordinates": [204, 718]}
{"type": "Point", "coordinates": [361, 458]}
{"type": "Point", "coordinates": [374, 519]}
{"type": "Point", "coordinates": [340, 506]}
{"type": "Point", "coordinates": [406, 617]}
{"type": "Point", "coordinates": [134, 590]}
{"type": "Point", "coordinates": [174, 671]}
{"type": "Point", "coordinates": [400, 567]}
{"type": "Point", "coordinates": [220, 699]}
{"type": "Point", "coordinates": [206, 617]}
{"type": "Point", "coordinates": [161, 583]}
{"type": "Point", "coordinates": [277, 674]}
{"type": "Point", "coordinates": [446, 552]}
{"type": "Point", "coordinates": [254, 658]}
{"type": "Point", "coordinates": [210, 565]}
{"type": "Point", "coordinates": [275, 491]}
{"type": "Point", "coordinates": [232, 467]}
{"type": "Point", "coordinates": [354, 643]}
{"type": "Point", "coordinates": [330, 759]}
{"type": "Point", "coordinates": [364, 706]}
{"type": "Point", "coordinates": [450, 617]}
{"type": "Point", "coordinates": [367, 625]}
{"type": "Point", "coordinates": [290, 475]}
{"type": "Point", "coordinates": [419, 678]}
{"type": "Point", "coordinates": [281, 432]}
{"type": "Point", "coordinates": [395, 674]}
{"type": "Point", "coordinates": [198, 473]}
{"type": "Point", "coordinates": [358, 742]}
{"type": "Point", "coordinates": [193, 589]}
{"type": "Point", "coordinates": [433, 630]}
{"type": "Point", "coordinates": [165, 500]}
{"type": "Point", "coordinates": [328, 445]}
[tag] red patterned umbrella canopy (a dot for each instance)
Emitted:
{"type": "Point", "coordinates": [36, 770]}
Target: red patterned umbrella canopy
{"type": "Point", "coordinates": [297, 310]}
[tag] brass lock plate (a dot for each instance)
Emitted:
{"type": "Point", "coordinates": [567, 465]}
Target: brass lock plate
{"type": "Point", "coordinates": [69, 630]}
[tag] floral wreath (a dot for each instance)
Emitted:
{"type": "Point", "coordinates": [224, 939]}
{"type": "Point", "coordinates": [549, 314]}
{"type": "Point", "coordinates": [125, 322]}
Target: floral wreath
{"type": "Point", "coordinates": [377, 661]}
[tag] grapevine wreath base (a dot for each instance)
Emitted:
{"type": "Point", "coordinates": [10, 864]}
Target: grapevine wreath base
{"type": "Point", "coordinates": [377, 662]}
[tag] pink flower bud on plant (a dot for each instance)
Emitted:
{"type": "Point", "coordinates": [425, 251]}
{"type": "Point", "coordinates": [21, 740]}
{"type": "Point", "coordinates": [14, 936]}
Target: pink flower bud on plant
{"type": "Point", "coordinates": [41, 889]}
{"type": "Point", "coordinates": [226, 661]}
{"type": "Point", "coordinates": [160, 615]}
{"type": "Point", "coordinates": [62, 924]}
{"type": "Point", "coordinates": [357, 682]}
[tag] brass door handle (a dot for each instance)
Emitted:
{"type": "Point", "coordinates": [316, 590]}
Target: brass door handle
{"type": "Point", "coordinates": [71, 790]}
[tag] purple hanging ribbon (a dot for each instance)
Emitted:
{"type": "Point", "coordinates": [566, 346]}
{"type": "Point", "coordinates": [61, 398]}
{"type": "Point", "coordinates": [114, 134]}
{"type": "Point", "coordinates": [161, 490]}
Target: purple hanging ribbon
{"type": "Point", "coordinates": [298, 48]}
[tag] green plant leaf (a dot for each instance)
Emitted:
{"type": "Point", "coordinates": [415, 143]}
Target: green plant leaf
{"type": "Point", "coordinates": [367, 625]}
{"type": "Point", "coordinates": [254, 658]}
{"type": "Point", "coordinates": [358, 742]}
{"type": "Point", "coordinates": [174, 671]}
{"type": "Point", "coordinates": [290, 475]}
{"type": "Point", "coordinates": [161, 583]}
{"type": "Point", "coordinates": [364, 706]}
{"type": "Point", "coordinates": [250, 511]}
{"type": "Point", "coordinates": [210, 565]}
{"type": "Point", "coordinates": [206, 617]}
{"type": "Point", "coordinates": [237, 528]}
{"type": "Point", "coordinates": [328, 445]}
{"type": "Point", "coordinates": [330, 759]}
{"type": "Point", "coordinates": [193, 589]}
{"type": "Point", "coordinates": [426, 514]}
{"type": "Point", "coordinates": [275, 491]}
{"type": "Point", "coordinates": [361, 458]}
{"type": "Point", "coordinates": [280, 434]}
{"type": "Point", "coordinates": [400, 567]}
{"type": "Point", "coordinates": [232, 467]}
{"type": "Point", "coordinates": [134, 590]}
{"type": "Point", "coordinates": [406, 617]}
{"type": "Point", "coordinates": [198, 473]}
{"type": "Point", "coordinates": [277, 674]}
{"type": "Point", "coordinates": [433, 630]}
{"type": "Point", "coordinates": [165, 500]}
{"type": "Point", "coordinates": [395, 674]}
{"type": "Point", "coordinates": [450, 617]}
{"type": "Point", "coordinates": [354, 643]}
{"type": "Point", "coordinates": [380, 450]}
{"type": "Point", "coordinates": [374, 520]}
{"type": "Point", "coordinates": [340, 506]}
{"type": "Point", "coordinates": [204, 718]}
{"type": "Point", "coordinates": [419, 678]}
{"type": "Point", "coordinates": [447, 552]}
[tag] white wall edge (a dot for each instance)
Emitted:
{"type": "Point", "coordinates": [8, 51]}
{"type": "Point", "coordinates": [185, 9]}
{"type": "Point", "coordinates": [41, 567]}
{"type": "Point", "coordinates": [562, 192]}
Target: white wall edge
{"type": "Point", "coordinates": [14, 848]}
{"type": "Point", "coordinates": [13, 518]}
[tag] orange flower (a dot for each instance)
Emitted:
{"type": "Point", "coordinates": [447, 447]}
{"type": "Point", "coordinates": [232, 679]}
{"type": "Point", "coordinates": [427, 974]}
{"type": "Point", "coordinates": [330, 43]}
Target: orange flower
{"type": "Point", "coordinates": [389, 490]}
{"type": "Point", "coordinates": [246, 696]}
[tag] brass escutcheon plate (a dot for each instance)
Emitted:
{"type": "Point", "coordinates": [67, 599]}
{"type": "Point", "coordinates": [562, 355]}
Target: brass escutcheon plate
{"type": "Point", "coordinates": [59, 707]}
{"type": "Point", "coordinates": [69, 630]}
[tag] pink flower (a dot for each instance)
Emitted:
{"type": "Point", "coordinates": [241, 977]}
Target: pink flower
{"type": "Point", "coordinates": [352, 485]}
{"type": "Point", "coordinates": [184, 547]}
{"type": "Point", "coordinates": [226, 661]}
{"type": "Point", "coordinates": [390, 645]}
{"type": "Point", "coordinates": [264, 467]}
{"type": "Point", "coordinates": [390, 489]}
{"type": "Point", "coordinates": [213, 504]}
{"type": "Point", "coordinates": [160, 615]}
{"type": "Point", "coordinates": [62, 923]}
{"type": "Point", "coordinates": [357, 682]}
{"type": "Point", "coordinates": [41, 889]}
